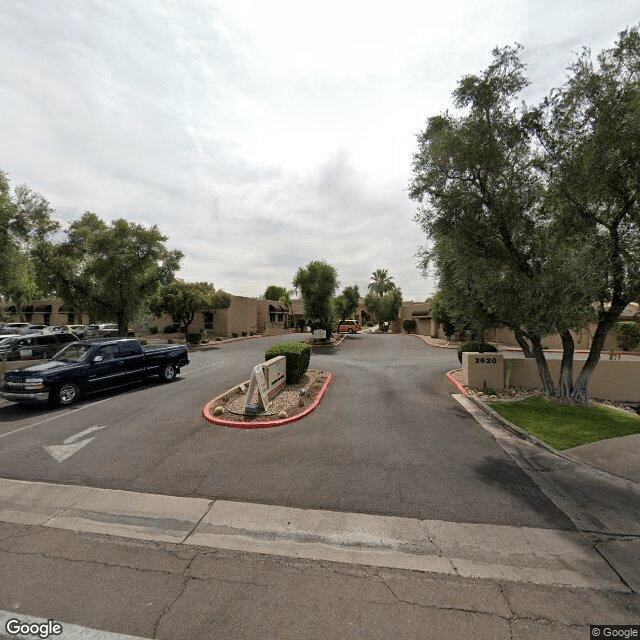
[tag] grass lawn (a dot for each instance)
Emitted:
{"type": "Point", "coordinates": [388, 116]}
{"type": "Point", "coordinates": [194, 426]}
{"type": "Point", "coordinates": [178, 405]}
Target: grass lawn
{"type": "Point", "coordinates": [565, 426]}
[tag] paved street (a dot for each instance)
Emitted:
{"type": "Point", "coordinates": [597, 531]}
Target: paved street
{"type": "Point", "coordinates": [387, 439]}
{"type": "Point", "coordinates": [389, 512]}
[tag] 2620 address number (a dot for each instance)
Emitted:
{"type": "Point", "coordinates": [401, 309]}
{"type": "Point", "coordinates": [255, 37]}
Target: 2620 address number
{"type": "Point", "coordinates": [486, 360]}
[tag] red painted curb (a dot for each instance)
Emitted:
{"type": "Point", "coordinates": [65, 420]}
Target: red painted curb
{"type": "Point", "coordinates": [206, 413]}
{"type": "Point", "coordinates": [452, 379]}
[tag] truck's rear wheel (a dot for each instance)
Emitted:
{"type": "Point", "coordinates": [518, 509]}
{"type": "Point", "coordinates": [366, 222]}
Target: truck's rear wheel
{"type": "Point", "coordinates": [66, 394]}
{"type": "Point", "coordinates": [168, 373]}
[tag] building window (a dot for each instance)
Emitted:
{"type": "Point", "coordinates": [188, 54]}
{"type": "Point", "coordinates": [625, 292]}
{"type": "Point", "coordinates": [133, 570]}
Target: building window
{"type": "Point", "coordinates": [208, 319]}
{"type": "Point", "coordinates": [272, 317]}
{"type": "Point", "coordinates": [280, 318]}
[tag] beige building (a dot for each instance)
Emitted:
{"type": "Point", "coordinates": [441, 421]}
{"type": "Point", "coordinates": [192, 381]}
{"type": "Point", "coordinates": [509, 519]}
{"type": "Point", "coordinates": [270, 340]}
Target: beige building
{"type": "Point", "coordinates": [245, 316]}
{"type": "Point", "coordinates": [50, 312]}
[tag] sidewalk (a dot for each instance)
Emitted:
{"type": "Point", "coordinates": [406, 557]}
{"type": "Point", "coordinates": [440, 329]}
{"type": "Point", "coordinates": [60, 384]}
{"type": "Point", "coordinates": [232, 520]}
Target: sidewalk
{"type": "Point", "coordinates": [596, 485]}
{"type": "Point", "coordinates": [602, 504]}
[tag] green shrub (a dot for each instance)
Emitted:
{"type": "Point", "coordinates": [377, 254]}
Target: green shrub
{"type": "Point", "coordinates": [250, 333]}
{"type": "Point", "coordinates": [234, 334]}
{"type": "Point", "coordinates": [153, 330]}
{"type": "Point", "coordinates": [409, 325]}
{"type": "Point", "coordinates": [171, 329]}
{"type": "Point", "coordinates": [627, 335]}
{"type": "Point", "coordinates": [143, 341]}
{"type": "Point", "coordinates": [218, 339]}
{"type": "Point", "coordinates": [194, 338]}
{"type": "Point", "coordinates": [298, 355]}
{"type": "Point", "coordinates": [244, 333]}
{"type": "Point", "coordinates": [475, 345]}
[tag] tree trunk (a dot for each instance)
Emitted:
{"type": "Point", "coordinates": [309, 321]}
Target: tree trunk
{"type": "Point", "coordinates": [606, 321]}
{"type": "Point", "coordinates": [565, 386]}
{"type": "Point", "coordinates": [548, 388]}
{"type": "Point", "coordinates": [123, 328]}
{"type": "Point", "coordinates": [522, 342]}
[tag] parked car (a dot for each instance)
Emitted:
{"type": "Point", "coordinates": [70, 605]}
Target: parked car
{"type": "Point", "coordinates": [79, 330]}
{"type": "Point", "coordinates": [105, 331]}
{"type": "Point", "coordinates": [85, 366]}
{"type": "Point", "coordinates": [349, 326]}
{"type": "Point", "coordinates": [14, 327]}
{"type": "Point", "coordinates": [36, 328]}
{"type": "Point", "coordinates": [35, 345]}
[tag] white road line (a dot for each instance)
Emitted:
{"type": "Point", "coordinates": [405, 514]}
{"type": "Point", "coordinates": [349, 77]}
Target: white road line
{"type": "Point", "coordinates": [69, 631]}
{"type": "Point", "coordinates": [60, 415]}
{"type": "Point", "coordinates": [201, 368]}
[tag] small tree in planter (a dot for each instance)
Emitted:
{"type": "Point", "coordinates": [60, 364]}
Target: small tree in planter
{"type": "Point", "coordinates": [317, 283]}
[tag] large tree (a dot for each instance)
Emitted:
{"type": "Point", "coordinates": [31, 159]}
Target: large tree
{"type": "Point", "coordinates": [23, 213]}
{"type": "Point", "coordinates": [385, 308]}
{"type": "Point", "coordinates": [483, 202]}
{"type": "Point", "coordinates": [589, 131]}
{"type": "Point", "coordinates": [274, 292]}
{"type": "Point", "coordinates": [182, 300]}
{"type": "Point", "coordinates": [346, 304]}
{"type": "Point", "coordinates": [111, 270]}
{"type": "Point", "coordinates": [381, 282]}
{"type": "Point", "coordinates": [317, 283]}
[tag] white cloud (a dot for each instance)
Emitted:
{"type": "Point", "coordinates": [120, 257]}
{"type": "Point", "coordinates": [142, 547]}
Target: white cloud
{"type": "Point", "coordinates": [259, 135]}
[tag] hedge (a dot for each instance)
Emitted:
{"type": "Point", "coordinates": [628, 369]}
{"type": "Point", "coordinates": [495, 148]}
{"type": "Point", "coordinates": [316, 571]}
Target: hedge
{"type": "Point", "coordinates": [298, 355]}
{"type": "Point", "coordinates": [475, 345]}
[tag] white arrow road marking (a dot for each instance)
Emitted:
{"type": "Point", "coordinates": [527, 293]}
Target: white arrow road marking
{"type": "Point", "coordinates": [72, 444]}
{"type": "Point", "coordinates": [86, 432]}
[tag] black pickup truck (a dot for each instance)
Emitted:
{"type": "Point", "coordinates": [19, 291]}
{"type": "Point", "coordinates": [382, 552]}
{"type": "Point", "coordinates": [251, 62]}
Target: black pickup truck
{"type": "Point", "coordinates": [83, 367]}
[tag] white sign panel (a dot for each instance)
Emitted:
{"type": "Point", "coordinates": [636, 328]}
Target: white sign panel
{"type": "Point", "coordinates": [276, 373]}
{"type": "Point", "coordinates": [320, 334]}
{"type": "Point", "coordinates": [262, 385]}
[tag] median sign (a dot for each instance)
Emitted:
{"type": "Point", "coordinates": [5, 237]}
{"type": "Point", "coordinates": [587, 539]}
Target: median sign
{"type": "Point", "coordinates": [270, 378]}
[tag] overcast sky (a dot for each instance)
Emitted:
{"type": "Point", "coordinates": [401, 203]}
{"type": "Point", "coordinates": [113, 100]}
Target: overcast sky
{"type": "Point", "coordinates": [260, 135]}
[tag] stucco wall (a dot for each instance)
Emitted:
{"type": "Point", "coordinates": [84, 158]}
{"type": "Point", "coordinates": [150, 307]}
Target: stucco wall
{"type": "Point", "coordinates": [611, 380]}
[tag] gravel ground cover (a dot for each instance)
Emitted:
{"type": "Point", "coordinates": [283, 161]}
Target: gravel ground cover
{"type": "Point", "coordinates": [293, 399]}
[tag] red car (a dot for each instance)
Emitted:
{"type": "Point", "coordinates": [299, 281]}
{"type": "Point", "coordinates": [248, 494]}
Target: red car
{"type": "Point", "coordinates": [349, 326]}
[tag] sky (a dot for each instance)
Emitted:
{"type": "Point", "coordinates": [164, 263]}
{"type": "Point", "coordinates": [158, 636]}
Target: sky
{"type": "Point", "coordinates": [260, 135]}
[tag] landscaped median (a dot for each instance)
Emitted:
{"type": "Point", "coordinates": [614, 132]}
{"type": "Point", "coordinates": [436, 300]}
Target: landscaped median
{"type": "Point", "coordinates": [293, 403]}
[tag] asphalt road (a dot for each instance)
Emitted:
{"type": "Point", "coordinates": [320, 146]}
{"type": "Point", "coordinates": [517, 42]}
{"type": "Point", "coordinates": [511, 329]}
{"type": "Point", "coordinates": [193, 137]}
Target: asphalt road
{"type": "Point", "coordinates": [387, 439]}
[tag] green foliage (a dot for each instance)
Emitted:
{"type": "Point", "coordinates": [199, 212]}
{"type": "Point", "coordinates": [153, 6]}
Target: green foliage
{"type": "Point", "coordinates": [143, 341]}
{"type": "Point", "coordinates": [195, 337]}
{"type": "Point", "coordinates": [298, 356]}
{"type": "Point", "coordinates": [381, 283]}
{"type": "Point", "coordinates": [317, 283]}
{"type": "Point", "coordinates": [442, 315]}
{"type": "Point", "coordinates": [23, 214]}
{"type": "Point", "coordinates": [182, 300]}
{"type": "Point", "coordinates": [627, 335]}
{"type": "Point", "coordinates": [110, 270]}
{"type": "Point", "coordinates": [409, 325]}
{"type": "Point", "coordinates": [475, 345]}
{"type": "Point", "coordinates": [280, 294]}
{"type": "Point", "coordinates": [170, 329]}
{"type": "Point", "coordinates": [153, 330]}
{"type": "Point", "coordinates": [346, 304]}
{"type": "Point", "coordinates": [384, 308]}
{"type": "Point", "coordinates": [565, 426]}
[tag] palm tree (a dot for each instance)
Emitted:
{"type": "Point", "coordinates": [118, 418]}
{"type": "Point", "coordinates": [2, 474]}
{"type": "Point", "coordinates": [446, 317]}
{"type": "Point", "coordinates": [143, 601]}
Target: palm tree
{"type": "Point", "coordinates": [381, 283]}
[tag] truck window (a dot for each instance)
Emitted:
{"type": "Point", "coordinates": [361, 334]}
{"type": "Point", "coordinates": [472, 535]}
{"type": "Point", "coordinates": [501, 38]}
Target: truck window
{"type": "Point", "coordinates": [108, 352]}
{"type": "Point", "coordinates": [130, 348]}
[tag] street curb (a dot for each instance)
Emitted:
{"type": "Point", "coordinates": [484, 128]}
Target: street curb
{"type": "Point", "coordinates": [320, 344]}
{"type": "Point", "coordinates": [208, 415]}
{"type": "Point", "coordinates": [459, 385]}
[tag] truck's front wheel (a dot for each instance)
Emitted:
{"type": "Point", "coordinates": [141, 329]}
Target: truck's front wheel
{"type": "Point", "coordinates": [168, 373]}
{"type": "Point", "coordinates": [66, 394]}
